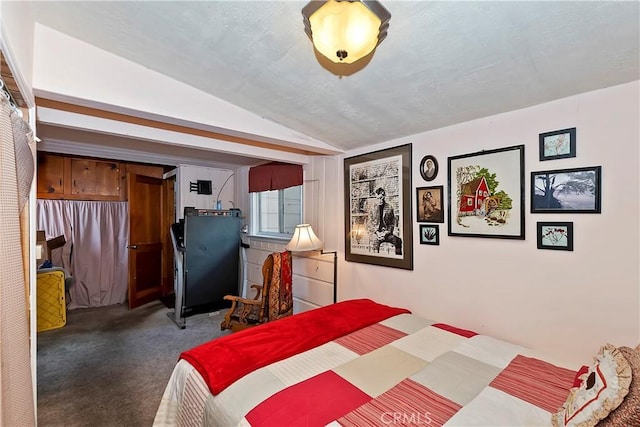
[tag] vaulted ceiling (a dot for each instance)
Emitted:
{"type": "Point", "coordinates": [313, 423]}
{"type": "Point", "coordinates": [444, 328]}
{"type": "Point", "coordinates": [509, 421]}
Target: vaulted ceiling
{"type": "Point", "coordinates": [442, 63]}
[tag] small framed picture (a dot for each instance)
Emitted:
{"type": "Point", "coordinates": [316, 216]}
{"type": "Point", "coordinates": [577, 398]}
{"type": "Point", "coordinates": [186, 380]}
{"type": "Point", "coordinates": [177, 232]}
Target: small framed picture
{"type": "Point", "coordinates": [429, 168]}
{"type": "Point", "coordinates": [429, 234]}
{"type": "Point", "coordinates": [558, 144]}
{"type": "Point", "coordinates": [429, 204]}
{"type": "Point", "coordinates": [566, 190]}
{"type": "Point", "coordinates": [554, 235]}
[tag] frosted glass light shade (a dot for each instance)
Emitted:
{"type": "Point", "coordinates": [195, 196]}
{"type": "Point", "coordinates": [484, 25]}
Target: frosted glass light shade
{"type": "Point", "coordinates": [304, 239]}
{"type": "Point", "coordinates": [346, 31]}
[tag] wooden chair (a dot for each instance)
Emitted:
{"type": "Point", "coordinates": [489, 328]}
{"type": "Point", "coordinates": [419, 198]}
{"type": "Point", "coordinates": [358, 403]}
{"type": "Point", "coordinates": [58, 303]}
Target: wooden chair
{"type": "Point", "coordinates": [272, 300]}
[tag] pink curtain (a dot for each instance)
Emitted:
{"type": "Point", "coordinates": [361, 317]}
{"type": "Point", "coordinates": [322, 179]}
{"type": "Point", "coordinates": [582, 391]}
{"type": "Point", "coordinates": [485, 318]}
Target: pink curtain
{"type": "Point", "coordinates": [96, 250]}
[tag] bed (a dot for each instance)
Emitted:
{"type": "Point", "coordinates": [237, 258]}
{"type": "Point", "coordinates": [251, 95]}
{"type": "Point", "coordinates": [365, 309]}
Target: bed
{"type": "Point", "coordinates": [359, 363]}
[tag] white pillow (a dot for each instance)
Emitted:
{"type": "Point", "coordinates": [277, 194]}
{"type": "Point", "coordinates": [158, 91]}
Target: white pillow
{"type": "Point", "coordinates": [603, 389]}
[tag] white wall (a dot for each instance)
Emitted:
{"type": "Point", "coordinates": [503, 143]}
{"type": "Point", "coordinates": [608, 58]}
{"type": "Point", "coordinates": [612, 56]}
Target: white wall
{"type": "Point", "coordinates": [566, 304]}
{"type": "Point", "coordinates": [187, 174]}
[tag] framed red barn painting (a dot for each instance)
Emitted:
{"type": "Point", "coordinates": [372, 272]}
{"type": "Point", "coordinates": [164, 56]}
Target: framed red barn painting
{"type": "Point", "coordinates": [486, 194]}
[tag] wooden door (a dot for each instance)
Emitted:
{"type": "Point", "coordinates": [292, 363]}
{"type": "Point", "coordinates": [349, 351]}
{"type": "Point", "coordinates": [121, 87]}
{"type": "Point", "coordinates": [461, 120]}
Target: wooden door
{"type": "Point", "coordinates": [168, 218]}
{"type": "Point", "coordinates": [145, 239]}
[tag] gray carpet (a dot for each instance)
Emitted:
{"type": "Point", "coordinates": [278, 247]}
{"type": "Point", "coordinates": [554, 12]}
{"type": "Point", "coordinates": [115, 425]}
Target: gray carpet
{"type": "Point", "coordinates": [109, 366]}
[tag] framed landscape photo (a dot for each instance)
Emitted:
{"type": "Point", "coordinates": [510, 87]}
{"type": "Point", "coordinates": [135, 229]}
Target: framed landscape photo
{"type": "Point", "coordinates": [429, 234]}
{"type": "Point", "coordinates": [429, 204]}
{"type": "Point", "coordinates": [378, 197]}
{"type": "Point", "coordinates": [486, 194]}
{"type": "Point", "coordinates": [559, 144]}
{"type": "Point", "coordinates": [429, 168]}
{"type": "Point", "coordinates": [555, 235]}
{"type": "Point", "coordinates": [566, 190]}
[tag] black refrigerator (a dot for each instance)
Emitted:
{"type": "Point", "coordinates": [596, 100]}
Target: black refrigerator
{"type": "Point", "coordinates": [210, 264]}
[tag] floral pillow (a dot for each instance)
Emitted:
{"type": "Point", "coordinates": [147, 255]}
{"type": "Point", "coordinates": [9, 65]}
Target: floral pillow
{"type": "Point", "coordinates": [603, 389]}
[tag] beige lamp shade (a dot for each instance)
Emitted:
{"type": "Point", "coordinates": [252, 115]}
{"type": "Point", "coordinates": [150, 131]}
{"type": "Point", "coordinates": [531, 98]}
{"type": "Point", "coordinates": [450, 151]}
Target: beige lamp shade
{"type": "Point", "coordinates": [304, 239]}
{"type": "Point", "coordinates": [345, 31]}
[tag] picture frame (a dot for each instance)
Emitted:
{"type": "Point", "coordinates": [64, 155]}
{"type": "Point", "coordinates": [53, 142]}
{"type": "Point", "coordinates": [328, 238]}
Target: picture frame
{"type": "Point", "coordinates": [429, 168]}
{"type": "Point", "coordinates": [555, 235]}
{"type": "Point", "coordinates": [576, 190]}
{"type": "Point", "coordinates": [429, 234]}
{"type": "Point", "coordinates": [378, 220]}
{"type": "Point", "coordinates": [486, 194]}
{"type": "Point", "coordinates": [430, 204]}
{"type": "Point", "coordinates": [559, 144]}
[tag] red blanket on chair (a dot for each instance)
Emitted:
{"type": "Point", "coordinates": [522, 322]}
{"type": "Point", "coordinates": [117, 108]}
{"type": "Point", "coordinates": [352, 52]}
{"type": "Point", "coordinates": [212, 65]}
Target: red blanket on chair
{"type": "Point", "coordinates": [281, 287]}
{"type": "Point", "coordinates": [224, 360]}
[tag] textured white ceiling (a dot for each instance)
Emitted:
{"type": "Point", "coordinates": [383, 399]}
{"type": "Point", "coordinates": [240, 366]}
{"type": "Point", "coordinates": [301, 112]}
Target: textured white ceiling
{"type": "Point", "coordinates": [442, 62]}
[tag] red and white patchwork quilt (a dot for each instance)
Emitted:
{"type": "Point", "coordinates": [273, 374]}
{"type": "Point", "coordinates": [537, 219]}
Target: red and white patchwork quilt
{"type": "Point", "coordinates": [402, 370]}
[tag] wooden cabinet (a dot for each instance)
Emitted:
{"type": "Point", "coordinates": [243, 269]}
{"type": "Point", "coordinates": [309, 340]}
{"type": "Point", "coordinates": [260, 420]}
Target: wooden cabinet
{"type": "Point", "coordinates": [62, 177]}
{"type": "Point", "coordinates": [77, 178]}
{"type": "Point", "coordinates": [50, 176]}
{"type": "Point", "coordinates": [95, 178]}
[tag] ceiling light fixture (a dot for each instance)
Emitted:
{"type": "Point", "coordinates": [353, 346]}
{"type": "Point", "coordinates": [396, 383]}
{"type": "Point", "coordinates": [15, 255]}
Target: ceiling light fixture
{"type": "Point", "coordinates": [345, 32]}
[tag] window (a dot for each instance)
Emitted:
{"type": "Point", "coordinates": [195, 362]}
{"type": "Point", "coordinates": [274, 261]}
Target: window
{"type": "Point", "coordinates": [277, 212]}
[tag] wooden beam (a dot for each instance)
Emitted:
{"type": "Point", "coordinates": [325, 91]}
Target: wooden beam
{"type": "Point", "coordinates": [10, 82]}
{"type": "Point", "coordinates": [95, 112]}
